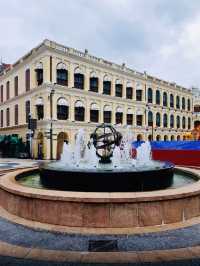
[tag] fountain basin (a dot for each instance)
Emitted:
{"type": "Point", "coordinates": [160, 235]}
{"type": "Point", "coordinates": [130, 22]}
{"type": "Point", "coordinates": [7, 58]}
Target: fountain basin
{"type": "Point", "coordinates": [107, 178]}
{"type": "Point", "coordinates": [100, 209]}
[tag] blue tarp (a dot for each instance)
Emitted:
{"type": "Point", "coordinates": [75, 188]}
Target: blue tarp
{"type": "Point", "coordinates": [171, 145]}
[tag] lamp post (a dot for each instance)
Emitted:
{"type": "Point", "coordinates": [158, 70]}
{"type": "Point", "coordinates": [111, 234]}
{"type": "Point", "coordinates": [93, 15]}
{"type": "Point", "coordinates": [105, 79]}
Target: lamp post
{"type": "Point", "coordinates": [51, 125]}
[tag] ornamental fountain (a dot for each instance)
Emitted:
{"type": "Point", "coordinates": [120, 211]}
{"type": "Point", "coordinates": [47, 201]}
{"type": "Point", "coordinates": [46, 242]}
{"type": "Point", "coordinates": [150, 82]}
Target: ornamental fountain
{"type": "Point", "coordinates": [105, 164]}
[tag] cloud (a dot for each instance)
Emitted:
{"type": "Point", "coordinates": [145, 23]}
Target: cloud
{"type": "Point", "coordinates": [160, 37]}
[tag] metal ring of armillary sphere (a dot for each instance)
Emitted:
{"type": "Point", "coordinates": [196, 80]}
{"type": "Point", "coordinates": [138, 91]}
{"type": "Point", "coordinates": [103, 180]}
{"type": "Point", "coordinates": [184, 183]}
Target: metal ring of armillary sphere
{"type": "Point", "coordinates": [105, 138]}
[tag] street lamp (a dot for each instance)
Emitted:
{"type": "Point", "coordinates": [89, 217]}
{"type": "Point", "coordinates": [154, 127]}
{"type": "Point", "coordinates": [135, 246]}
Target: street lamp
{"type": "Point", "coordinates": [51, 125]}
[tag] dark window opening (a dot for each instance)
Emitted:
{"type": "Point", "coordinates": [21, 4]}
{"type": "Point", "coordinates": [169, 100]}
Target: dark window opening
{"type": "Point", "coordinates": [16, 114]}
{"type": "Point", "coordinates": [1, 118]}
{"type": "Point", "coordinates": [150, 95]}
{"type": "Point", "coordinates": [129, 93]}
{"type": "Point", "coordinates": [94, 116]}
{"type": "Point", "coordinates": [118, 90]}
{"type": "Point", "coordinates": [139, 120]}
{"type": "Point", "coordinates": [189, 123]}
{"type": "Point", "coordinates": [27, 80]}
{"type": "Point", "coordinates": [183, 123]}
{"type": "Point", "coordinates": [189, 105]}
{"type": "Point", "coordinates": [107, 87]}
{"type": "Point", "coordinates": [164, 99]}
{"type": "Point", "coordinates": [107, 116]}
{"type": "Point", "coordinates": [16, 86]}
{"type": "Point", "coordinates": [79, 81]}
{"type": "Point", "coordinates": [94, 84]}
{"type": "Point", "coordinates": [158, 97]}
{"type": "Point", "coordinates": [171, 121]}
{"type": "Point", "coordinates": [119, 117]}
{"type": "Point", "coordinates": [79, 113]}
{"type": "Point", "coordinates": [183, 103]}
{"type": "Point", "coordinates": [7, 117]}
{"type": "Point", "coordinates": [177, 102]}
{"type": "Point", "coordinates": [62, 77]}
{"type": "Point", "coordinates": [158, 120]}
{"type": "Point", "coordinates": [39, 76]}
{"type": "Point", "coordinates": [129, 119]}
{"type": "Point", "coordinates": [1, 93]}
{"type": "Point", "coordinates": [7, 90]}
{"type": "Point", "coordinates": [171, 100]}
{"type": "Point", "coordinates": [178, 122]}
{"type": "Point", "coordinates": [165, 122]}
{"type": "Point", "coordinates": [62, 112]}
{"type": "Point", "coordinates": [28, 110]}
{"type": "Point", "coordinates": [139, 95]}
{"type": "Point", "coordinates": [150, 119]}
{"type": "Point", "coordinates": [40, 111]}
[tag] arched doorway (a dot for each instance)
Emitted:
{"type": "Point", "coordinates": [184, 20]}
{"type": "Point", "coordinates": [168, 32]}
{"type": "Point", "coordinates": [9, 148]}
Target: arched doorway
{"type": "Point", "coordinates": [40, 146]}
{"type": "Point", "coordinates": [165, 138]}
{"type": "Point", "coordinates": [61, 138]}
{"type": "Point", "coordinates": [158, 138]}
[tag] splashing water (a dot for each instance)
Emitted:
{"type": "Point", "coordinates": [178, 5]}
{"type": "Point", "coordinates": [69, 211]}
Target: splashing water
{"type": "Point", "coordinates": [82, 155]}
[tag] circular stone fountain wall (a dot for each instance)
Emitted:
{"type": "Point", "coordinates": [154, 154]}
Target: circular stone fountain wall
{"type": "Point", "coordinates": [100, 210]}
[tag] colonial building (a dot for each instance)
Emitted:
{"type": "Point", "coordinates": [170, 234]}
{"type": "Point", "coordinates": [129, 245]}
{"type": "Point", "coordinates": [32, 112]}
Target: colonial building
{"type": "Point", "coordinates": [65, 89]}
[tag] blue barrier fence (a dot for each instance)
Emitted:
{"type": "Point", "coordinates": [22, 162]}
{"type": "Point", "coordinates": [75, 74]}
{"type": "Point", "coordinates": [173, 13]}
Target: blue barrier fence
{"type": "Point", "coordinates": [171, 145]}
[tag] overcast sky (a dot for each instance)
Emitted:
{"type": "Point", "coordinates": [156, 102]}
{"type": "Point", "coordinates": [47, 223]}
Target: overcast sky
{"type": "Point", "coordinates": [161, 37]}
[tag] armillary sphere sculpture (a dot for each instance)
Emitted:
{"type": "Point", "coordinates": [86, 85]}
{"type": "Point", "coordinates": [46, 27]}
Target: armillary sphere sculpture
{"type": "Point", "coordinates": [105, 138]}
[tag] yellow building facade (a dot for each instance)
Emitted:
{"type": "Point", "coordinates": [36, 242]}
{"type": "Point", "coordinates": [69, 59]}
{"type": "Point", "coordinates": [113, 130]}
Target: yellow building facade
{"type": "Point", "coordinates": [65, 90]}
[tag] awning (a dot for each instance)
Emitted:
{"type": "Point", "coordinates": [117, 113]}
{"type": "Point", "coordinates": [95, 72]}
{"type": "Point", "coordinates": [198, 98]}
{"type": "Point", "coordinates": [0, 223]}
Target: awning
{"type": "Point", "coordinates": [79, 104]}
{"type": "Point", "coordinates": [107, 108]}
{"type": "Point", "coordinates": [39, 101]}
{"type": "Point", "coordinates": [94, 106]}
{"type": "Point", "coordinates": [63, 101]}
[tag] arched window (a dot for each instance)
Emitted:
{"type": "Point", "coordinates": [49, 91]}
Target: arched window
{"type": "Point", "coordinates": [16, 114]}
{"type": "Point", "coordinates": [16, 85]}
{"type": "Point", "coordinates": [27, 110]}
{"type": "Point", "coordinates": [119, 115]}
{"type": "Point", "coordinates": [178, 121]}
{"type": "Point", "coordinates": [107, 114]}
{"type": "Point", "coordinates": [39, 73]}
{"type": "Point", "coordinates": [62, 109]}
{"type": "Point", "coordinates": [150, 138]}
{"type": "Point", "coordinates": [27, 80]}
{"type": "Point", "coordinates": [39, 108]}
{"type": "Point", "coordinates": [1, 93]}
{"type": "Point", "coordinates": [78, 79]}
{"type": "Point", "coordinates": [188, 104]}
{"type": "Point", "coordinates": [94, 113]}
{"type": "Point", "coordinates": [158, 119]}
{"type": "Point", "coordinates": [62, 74]}
{"type": "Point", "coordinates": [107, 85]}
{"type": "Point", "coordinates": [118, 88]}
{"type": "Point", "coordinates": [79, 111]}
{"type": "Point", "coordinates": [171, 121]}
{"type": "Point", "coordinates": [165, 138]}
{"type": "Point", "coordinates": [177, 102]}
{"type": "Point", "coordinates": [158, 138]}
{"type": "Point", "coordinates": [94, 81]}
{"type": "Point", "coordinates": [150, 118]}
{"type": "Point", "coordinates": [150, 95]}
{"type": "Point", "coordinates": [178, 137]}
{"type": "Point", "coordinates": [189, 123]}
{"type": "Point", "coordinates": [129, 91]}
{"type": "Point", "coordinates": [158, 97]}
{"type": "Point", "coordinates": [7, 90]}
{"type": "Point", "coordinates": [1, 118]}
{"type": "Point", "coordinates": [165, 122]}
{"type": "Point", "coordinates": [183, 122]}
{"type": "Point", "coordinates": [139, 95]}
{"type": "Point", "coordinates": [171, 100]}
{"type": "Point", "coordinates": [165, 99]}
{"type": "Point", "coordinates": [129, 117]}
{"type": "Point", "coordinates": [7, 117]}
{"type": "Point", "coordinates": [183, 103]}
{"type": "Point", "coordinates": [172, 138]}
